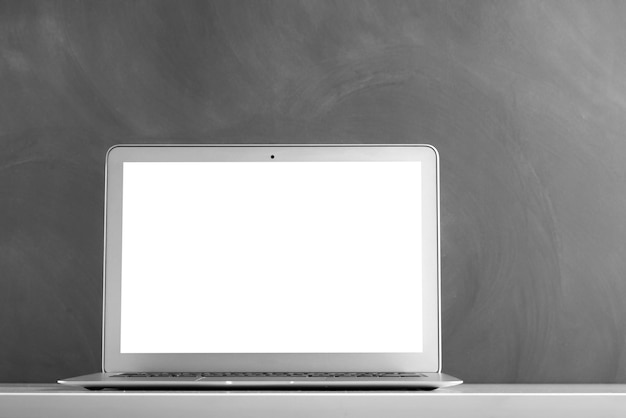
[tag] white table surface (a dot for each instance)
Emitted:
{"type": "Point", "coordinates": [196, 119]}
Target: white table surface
{"type": "Point", "coordinates": [468, 400]}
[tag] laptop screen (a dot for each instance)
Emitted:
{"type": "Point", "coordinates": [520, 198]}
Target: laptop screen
{"type": "Point", "coordinates": [271, 257]}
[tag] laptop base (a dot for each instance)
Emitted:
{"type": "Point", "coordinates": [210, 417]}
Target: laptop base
{"type": "Point", "coordinates": [426, 381]}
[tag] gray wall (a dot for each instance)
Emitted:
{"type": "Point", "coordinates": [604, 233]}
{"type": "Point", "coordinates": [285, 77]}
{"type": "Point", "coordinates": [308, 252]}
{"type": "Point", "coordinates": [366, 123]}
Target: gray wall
{"type": "Point", "coordinates": [525, 100]}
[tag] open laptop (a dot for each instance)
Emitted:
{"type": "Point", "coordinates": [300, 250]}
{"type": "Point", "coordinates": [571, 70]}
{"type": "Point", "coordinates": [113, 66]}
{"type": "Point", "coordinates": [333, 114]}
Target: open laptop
{"type": "Point", "coordinates": [271, 267]}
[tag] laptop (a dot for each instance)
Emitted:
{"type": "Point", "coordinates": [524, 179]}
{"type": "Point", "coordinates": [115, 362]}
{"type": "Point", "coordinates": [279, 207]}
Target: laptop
{"type": "Point", "coordinates": [271, 267]}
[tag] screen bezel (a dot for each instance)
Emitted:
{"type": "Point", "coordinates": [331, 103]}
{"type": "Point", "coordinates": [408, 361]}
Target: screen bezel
{"type": "Point", "coordinates": [426, 361]}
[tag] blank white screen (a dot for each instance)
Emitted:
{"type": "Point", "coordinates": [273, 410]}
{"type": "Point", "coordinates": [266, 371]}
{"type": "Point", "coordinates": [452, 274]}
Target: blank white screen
{"type": "Point", "coordinates": [271, 257]}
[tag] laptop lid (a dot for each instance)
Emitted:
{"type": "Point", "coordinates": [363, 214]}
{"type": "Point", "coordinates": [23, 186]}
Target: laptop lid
{"type": "Point", "coordinates": [271, 258]}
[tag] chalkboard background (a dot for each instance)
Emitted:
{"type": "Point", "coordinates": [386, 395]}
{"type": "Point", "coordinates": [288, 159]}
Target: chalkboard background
{"type": "Point", "coordinates": [525, 100]}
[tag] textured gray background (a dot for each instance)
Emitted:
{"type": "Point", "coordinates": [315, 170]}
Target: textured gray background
{"type": "Point", "coordinates": [525, 100]}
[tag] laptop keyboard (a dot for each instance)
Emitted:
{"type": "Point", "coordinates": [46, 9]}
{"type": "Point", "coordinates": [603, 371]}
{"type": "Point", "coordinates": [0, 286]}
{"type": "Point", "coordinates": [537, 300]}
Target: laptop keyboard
{"type": "Point", "coordinates": [268, 374]}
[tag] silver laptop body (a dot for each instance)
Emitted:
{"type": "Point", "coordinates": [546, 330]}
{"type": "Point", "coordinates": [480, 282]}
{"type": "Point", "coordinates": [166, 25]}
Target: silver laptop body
{"type": "Point", "coordinates": [271, 267]}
